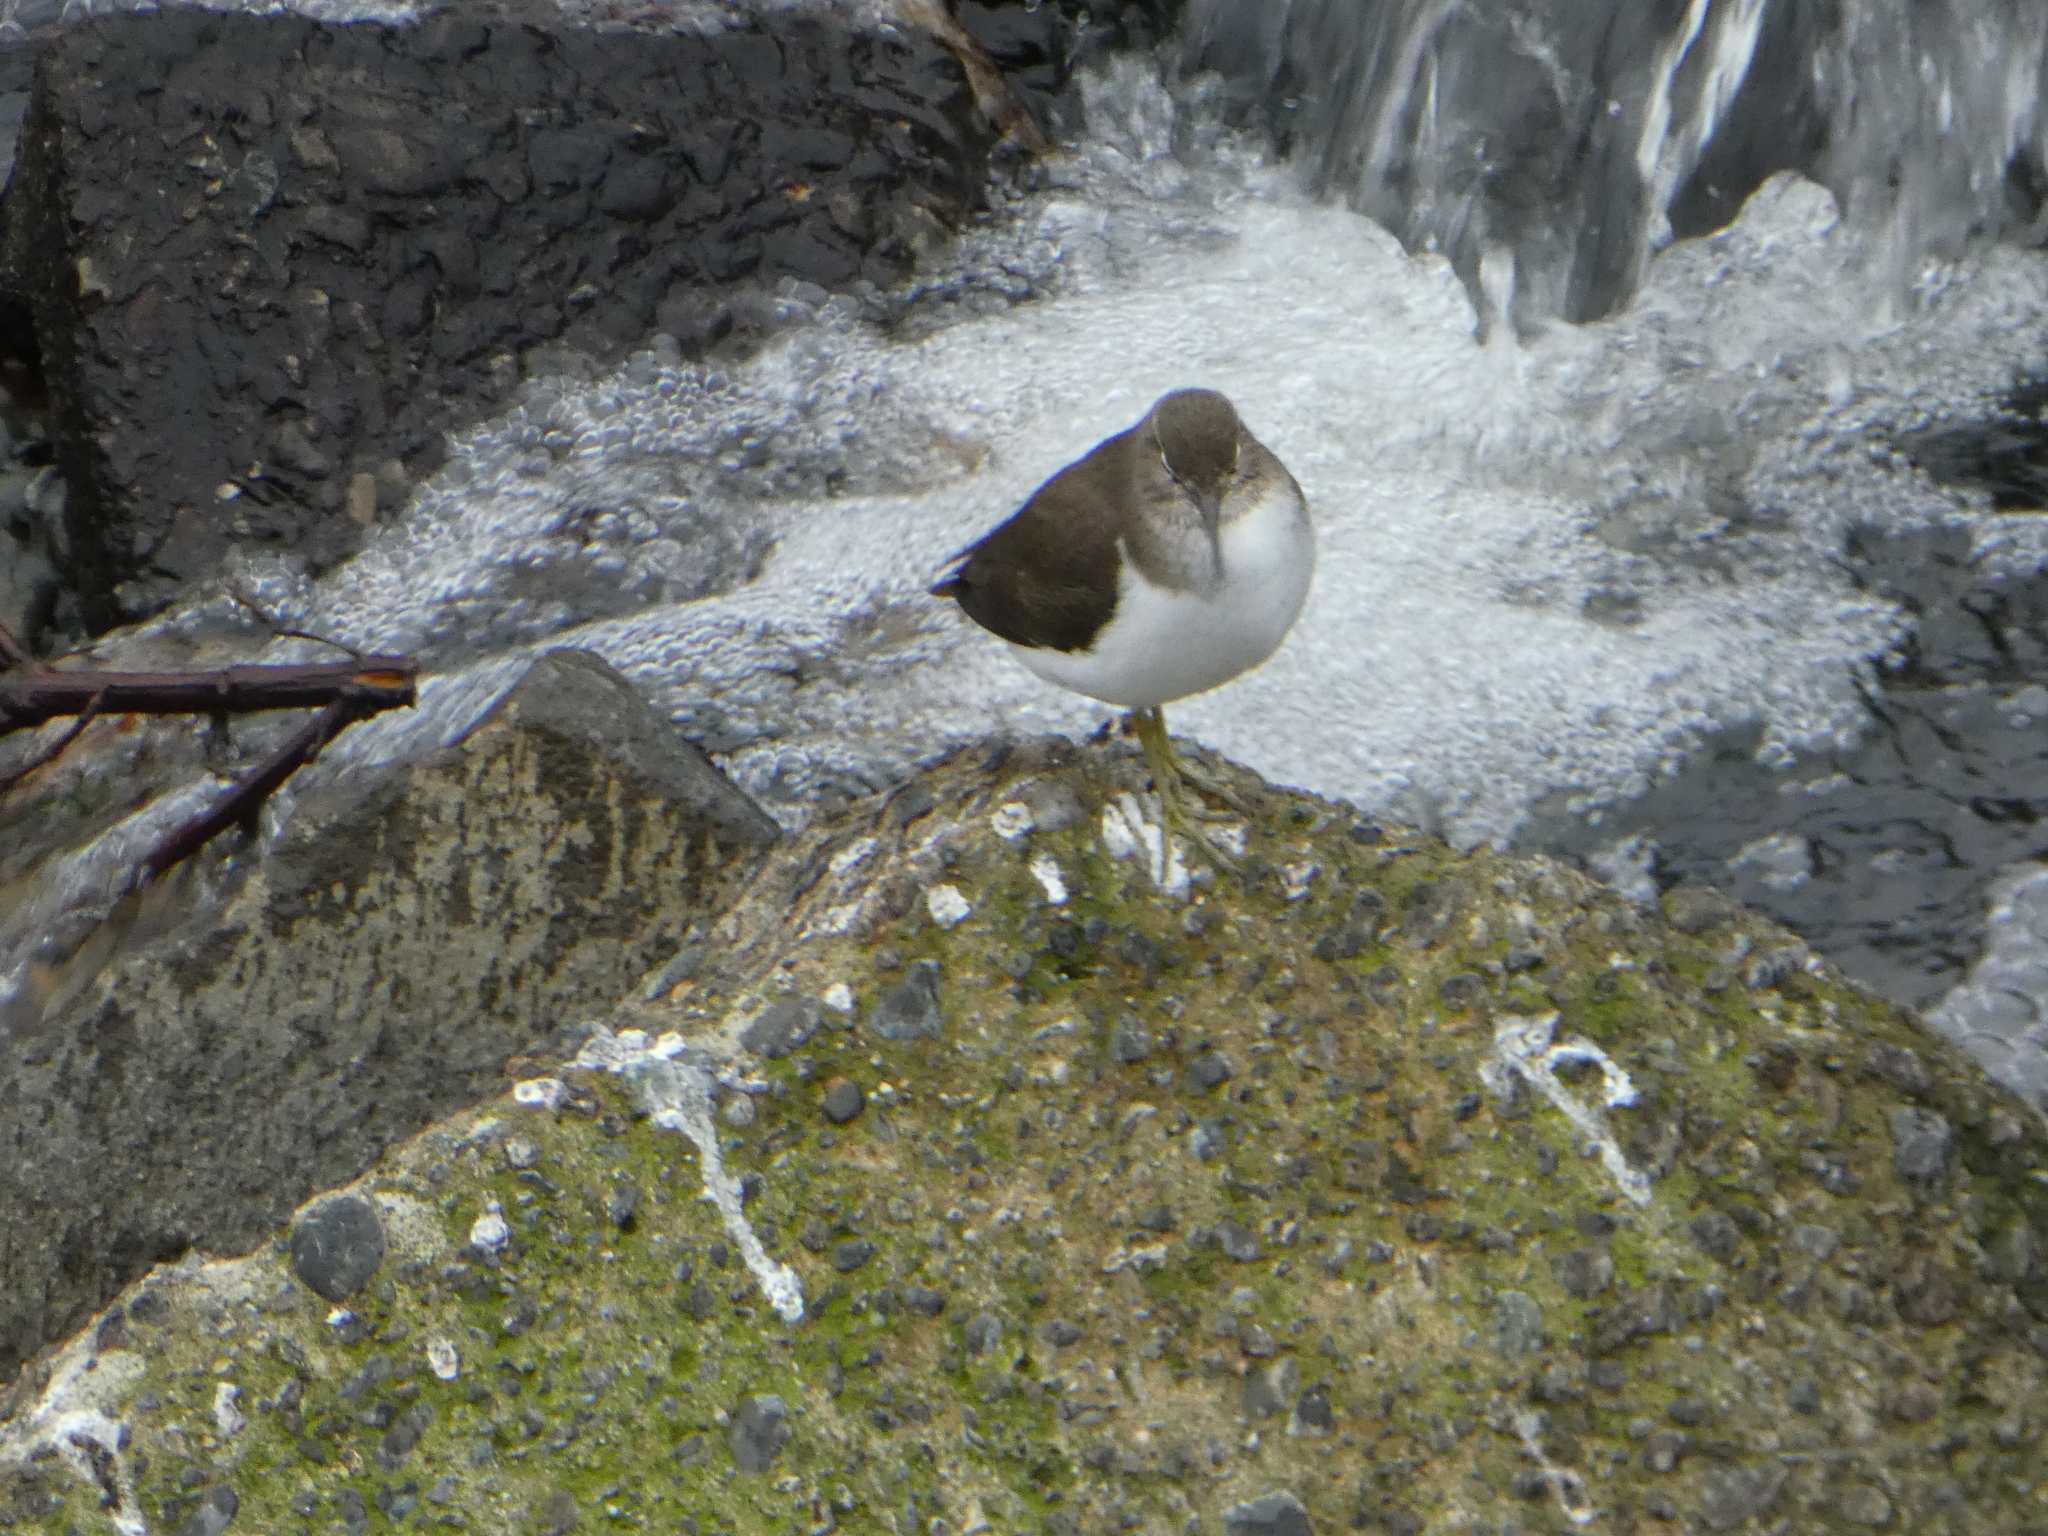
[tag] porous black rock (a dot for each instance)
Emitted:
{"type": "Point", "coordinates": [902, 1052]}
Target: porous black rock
{"type": "Point", "coordinates": [269, 262]}
{"type": "Point", "coordinates": [338, 1246]}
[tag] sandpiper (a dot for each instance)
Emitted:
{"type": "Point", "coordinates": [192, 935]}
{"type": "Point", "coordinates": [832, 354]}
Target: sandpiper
{"type": "Point", "coordinates": [1170, 559]}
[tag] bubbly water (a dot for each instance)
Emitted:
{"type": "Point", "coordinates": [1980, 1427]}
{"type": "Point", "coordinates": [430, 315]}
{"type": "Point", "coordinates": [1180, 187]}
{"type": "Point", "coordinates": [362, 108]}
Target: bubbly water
{"type": "Point", "coordinates": [1555, 558]}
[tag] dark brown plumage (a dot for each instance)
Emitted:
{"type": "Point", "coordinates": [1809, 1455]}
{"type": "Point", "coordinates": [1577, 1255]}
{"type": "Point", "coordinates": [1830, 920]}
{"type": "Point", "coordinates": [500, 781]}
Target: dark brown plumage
{"type": "Point", "coordinates": [1048, 577]}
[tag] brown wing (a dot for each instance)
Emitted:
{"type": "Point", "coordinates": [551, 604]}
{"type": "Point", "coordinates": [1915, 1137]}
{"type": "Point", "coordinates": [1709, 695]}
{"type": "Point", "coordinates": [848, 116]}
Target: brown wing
{"type": "Point", "coordinates": [1048, 576]}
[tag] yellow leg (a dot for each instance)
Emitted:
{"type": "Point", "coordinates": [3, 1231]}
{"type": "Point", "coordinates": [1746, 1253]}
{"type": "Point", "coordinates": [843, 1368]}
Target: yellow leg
{"type": "Point", "coordinates": [1170, 777]}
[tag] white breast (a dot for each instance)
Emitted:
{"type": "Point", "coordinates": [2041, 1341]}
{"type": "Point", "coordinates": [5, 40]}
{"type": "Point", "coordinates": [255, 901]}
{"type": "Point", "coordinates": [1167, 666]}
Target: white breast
{"type": "Point", "coordinates": [1166, 645]}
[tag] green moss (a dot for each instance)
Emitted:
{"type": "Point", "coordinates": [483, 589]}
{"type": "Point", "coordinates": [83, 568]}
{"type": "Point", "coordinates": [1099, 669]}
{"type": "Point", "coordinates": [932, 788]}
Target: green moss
{"type": "Point", "coordinates": [1008, 1172]}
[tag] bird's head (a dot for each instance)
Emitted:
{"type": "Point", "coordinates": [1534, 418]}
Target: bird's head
{"type": "Point", "coordinates": [1197, 434]}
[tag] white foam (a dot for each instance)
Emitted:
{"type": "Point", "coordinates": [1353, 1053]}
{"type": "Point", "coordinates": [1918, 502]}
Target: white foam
{"type": "Point", "coordinates": [1469, 500]}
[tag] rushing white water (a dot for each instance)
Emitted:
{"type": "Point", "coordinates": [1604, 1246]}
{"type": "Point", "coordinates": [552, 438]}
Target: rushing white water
{"type": "Point", "coordinates": [1571, 137]}
{"type": "Point", "coordinates": [1552, 563]}
{"type": "Point", "coordinates": [1547, 565]}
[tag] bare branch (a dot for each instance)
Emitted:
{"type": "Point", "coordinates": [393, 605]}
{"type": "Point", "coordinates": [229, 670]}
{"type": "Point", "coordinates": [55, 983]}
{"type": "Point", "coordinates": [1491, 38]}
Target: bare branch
{"type": "Point", "coordinates": [368, 683]}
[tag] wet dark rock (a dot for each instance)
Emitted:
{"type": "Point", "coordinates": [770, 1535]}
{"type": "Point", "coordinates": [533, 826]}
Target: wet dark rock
{"type": "Point", "coordinates": [1272, 1514]}
{"type": "Point", "coordinates": [924, 1301]}
{"type": "Point", "coordinates": [910, 1009]}
{"type": "Point", "coordinates": [758, 1432]}
{"type": "Point", "coordinates": [444, 189]}
{"type": "Point", "coordinates": [338, 1246]}
{"type": "Point", "coordinates": [1922, 1141]}
{"type": "Point", "coordinates": [843, 1100]}
{"type": "Point", "coordinates": [781, 1027]}
{"type": "Point", "coordinates": [1060, 1333]}
{"type": "Point", "coordinates": [1209, 1070]}
{"type": "Point", "coordinates": [216, 1510]}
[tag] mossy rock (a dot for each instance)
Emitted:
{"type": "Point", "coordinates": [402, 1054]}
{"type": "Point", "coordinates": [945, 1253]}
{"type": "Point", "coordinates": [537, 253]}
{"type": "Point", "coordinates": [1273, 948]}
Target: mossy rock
{"type": "Point", "coordinates": [1368, 1186]}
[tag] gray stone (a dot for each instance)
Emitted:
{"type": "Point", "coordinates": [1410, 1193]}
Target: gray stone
{"type": "Point", "coordinates": [852, 1254]}
{"type": "Point", "coordinates": [415, 927]}
{"type": "Point", "coordinates": [758, 1432]}
{"type": "Point", "coordinates": [622, 1205]}
{"type": "Point", "coordinates": [1586, 1272]}
{"type": "Point", "coordinates": [1517, 1324]}
{"type": "Point", "coordinates": [1734, 1495]}
{"type": "Point", "coordinates": [843, 1100]}
{"type": "Point", "coordinates": [1866, 1504]}
{"type": "Point", "coordinates": [1717, 1235]}
{"type": "Point", "coordinates": [781, 1027]}
{"type": "Point", "coordinates": [910, 1009]}
{"type": "Point", "coordinates": [1272, 1388]}
{"type": "Point", "coordinates": [1312, 1416]}
{"type": "Point", "coordinates": [1211, 1069]}
{"type": "Point", "coordinates": [984, 1331]}
{"type": "Point", "coordinates": [1130, 1042]}
{"type": "Point", "coordinates": [214, 1513]}
{"type": "Point", "coordinates": [1237, 1242]}
{"type": "Point", "coordinates": [1272, 1514]}
{"type": "Point", "coordinates": [1815, 1241]}
{"type": "Point", "coordinates": [338, 1246]}
{"type": "Point", "coordinates": [1921, 1144]}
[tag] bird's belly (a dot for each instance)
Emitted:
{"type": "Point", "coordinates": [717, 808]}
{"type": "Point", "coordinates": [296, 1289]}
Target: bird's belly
{"type": "Point", "coordinates": [1164, 645]}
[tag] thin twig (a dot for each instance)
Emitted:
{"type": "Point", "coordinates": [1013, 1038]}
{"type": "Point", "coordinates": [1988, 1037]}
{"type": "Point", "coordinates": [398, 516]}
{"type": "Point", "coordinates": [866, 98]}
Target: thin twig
{"type": "Point", "coordinates": [384, 682]}
{"type": "Point", "coordinates": [239, 804]}
{"type": "Point", "coordinates": [285, 631]}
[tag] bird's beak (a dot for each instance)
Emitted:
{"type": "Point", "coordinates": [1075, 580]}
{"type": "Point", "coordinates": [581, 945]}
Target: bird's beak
{"type": "Point", "coordinates": [1211, 504]}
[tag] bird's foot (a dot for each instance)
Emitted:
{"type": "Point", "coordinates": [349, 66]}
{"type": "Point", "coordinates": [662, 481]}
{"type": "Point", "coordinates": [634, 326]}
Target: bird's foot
{"type": "Point", "coordinates": [1173, 781]}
